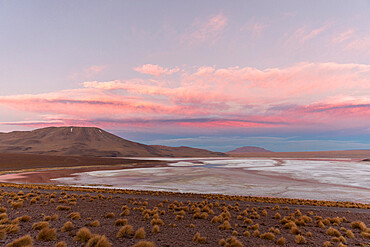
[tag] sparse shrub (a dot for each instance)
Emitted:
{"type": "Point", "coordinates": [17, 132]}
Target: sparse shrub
{"type": "Point", "coordinates": [299, 239]}
{"type": "Point", "coordinates": [365, 235]}
{"type": "Point", "coordinates": [268, 236]}
{"type": "Point", "coordinates": [2, 209]}
{"type": "Point", "coordinates": [256, 233]}
{"type": "Point", "coordinates": [140, 233]}
{"type": "Point", "coordinates": [61, 244]}
{"type": "Point", "coordinates": [280, 241]}
{"type": "Point", "coordinates": [155, 229]}
{"type": "Point", "coordinates": [295, 231]}
{"type": "Point", "coordinates": [225, 226]}
{"type": "Point", "coordinates": [144, 244]}
{"type": "Point", "coordinates": [74, 216]}
{"type": "Point", "coordinates": [198, 239]}
{"type": "Point", "coordinates": [20, 242]}
{"type": "Point", "coordinates": [309, 234]}
{"type": "Point", "coordinates": [235, 233]}
{"type": "Point", "coordinates": [63, 208]}
{"type": "Point", "coordinates": [120, 222]}
{"type": "Point", "coordinates": [320, 224]}
{"type": "Point", "coordinates": [94, 223]}
{"type": "Point", "coordinates": [246, 234]}
{"type": "Point", "coordinates": [2, 234]}
{"type": "Point", "coordinates": [277, 216]}
{"type": "Point", "coordinates": [157, 222]}
{"type": "Point", "coordinates": [110, 216]}
{"type": "Point", "coordinates": [40, 225]}
{"type": "Point", "coordinates": [68, 226]}
{"type": "Point", "coordinates": [125, 231]}
{"type": "Point", "coordinates": [98, 241]}
{"type": "Point", "coordinates": [47, 234]}
{"type": "Point", "coordinates": [54, 217]}
{"type": "Point", "coordinates": [333, 232]}
{"type": "Point", "coordinates": [12, 228]}
{"type": "Point", "coordinates": [358, 225]}
{"type": "Point", "coordinates": [350, 234]}
{"type": "Point", "coordinates": [327, 244]}
{"type": "Point", "coordinates": [83, 235]}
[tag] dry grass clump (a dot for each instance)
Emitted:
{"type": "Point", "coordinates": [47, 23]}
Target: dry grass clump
{"type": "Point", "coordinates": [192, 226]}
{"type": "Point", "coordinates": [268, 236]}
{"type": "Point", "coordinates": [198, 239]}
{"type": "Point", "coordinates": [125, 231]}
{"type": "Point", "coordinates": [333, 232]}
{"type": "Point", "coordinates": [12, 228]}
{"type": "Point", "coordinates": [94, 223]}
{"type": "Point", "coordinates": [74, 216]}
{"type": "Point", "coordinates": [83, 235]}
{"type": "Point", "coordinates": [256, 233]}
{"type": "Point", "coordinates": [120, 222]}
{"type": "Point", "coordinates": [280, 241]}
{"type": "Point", "coordinates": [98, 241]}
{"type": "Point", "coordinates": [40, 225]}
{"type": "Point", "coordinates": [63, 208]}
{"type": "Point", "coordinates": [350, 234]}
{"type": "Point", "coordinates": [20, 242]}
{"type": "Point", "coordinates": [277, 216]}
{"type": "Point", "coordinates": [365, 235]}
{"type": "Point", "coordinates": [140, 233]}
{"type": "Point", "coordinates": [68, 226]}
{"type": "Point", "coordinates": [299, 239]}
{"type": "Point", "coordinates": [110, 216]}
{"type": "Point", "coordinates": [230, 242]}
{"type": "Point", "coordinates": [144, 244]}
{"type": "Point", "coordinates": [2, 209]}
{"type": "Point", "coordinates": [155, 229]}
{"type": "Point", "coordinates": [61, 244]}
{"type": "Point", "coordinates": [157, 222]}
{"type": "Point", "coordinates": [47, 234]}
{"type": "Point", "coordinates": [225, 226]}
{"type": "Point", "coordinates": [246, 234]}
{"type": "Point", "coordinates": [358, 225]}
{"type": "Point", "coordinates": [320, 224]}
{"type": "Point", "coordinates": [2, 234]}
{"type": "Point", "coordinates": [24, 218]}
{"type": "Point", "coordinates": [326, 244]}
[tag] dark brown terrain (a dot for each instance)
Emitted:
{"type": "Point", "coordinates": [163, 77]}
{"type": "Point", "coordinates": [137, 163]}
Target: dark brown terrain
{"type": "Point", "coordinates": [88, 141]}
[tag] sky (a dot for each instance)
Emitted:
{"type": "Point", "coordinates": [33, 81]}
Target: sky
{"type": "Point", "coordinates": [283, 75]}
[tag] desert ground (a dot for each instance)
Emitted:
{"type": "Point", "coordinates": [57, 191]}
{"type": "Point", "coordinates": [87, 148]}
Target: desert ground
{"type": "Point", "coordinates": [35, 214]}
{"type": "Point", "coordinates": [67, 216]}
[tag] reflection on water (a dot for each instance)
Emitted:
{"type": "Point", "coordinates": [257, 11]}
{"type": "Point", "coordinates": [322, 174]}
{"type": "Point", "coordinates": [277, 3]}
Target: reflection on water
{"type": "Point", "coordinates": [307, 179]}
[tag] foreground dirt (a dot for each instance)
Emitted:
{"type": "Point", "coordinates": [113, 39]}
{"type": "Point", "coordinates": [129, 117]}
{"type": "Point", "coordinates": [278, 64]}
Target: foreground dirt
{"type": "Point", "coordinates": [179, 218]}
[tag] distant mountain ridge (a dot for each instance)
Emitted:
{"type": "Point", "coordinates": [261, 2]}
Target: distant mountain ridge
{"type": "Point", "coordinates": [248, 149]}
{"type": "Point", "coordinates": [88, 141]}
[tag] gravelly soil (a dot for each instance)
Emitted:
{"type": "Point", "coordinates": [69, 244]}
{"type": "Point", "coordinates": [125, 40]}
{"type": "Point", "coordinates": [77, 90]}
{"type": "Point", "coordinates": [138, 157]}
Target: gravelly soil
{"type": "Point", "coordinates": [95, 207]}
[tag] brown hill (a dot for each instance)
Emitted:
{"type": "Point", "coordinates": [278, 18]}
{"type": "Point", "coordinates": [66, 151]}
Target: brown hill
{"type": "Point", "coordinates": [248, 149]}
{"type": "Point", "coordinates": [88, 141]}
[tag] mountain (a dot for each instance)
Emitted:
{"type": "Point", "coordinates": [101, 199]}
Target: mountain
{"type": "Point", "coordinates": [248, 149]}
{"type": "Point", "coordinates": [88, 141]}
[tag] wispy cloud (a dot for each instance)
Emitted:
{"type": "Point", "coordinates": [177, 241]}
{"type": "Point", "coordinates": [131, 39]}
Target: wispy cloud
{"type": "Point", "coordinates": [89, 72]}
{"type": "Point", "coordinates": [156, 70]}
{"type": "Point", "coordinates": [205, 30]}
{"type": "Point", "coordinates": [303, 34]}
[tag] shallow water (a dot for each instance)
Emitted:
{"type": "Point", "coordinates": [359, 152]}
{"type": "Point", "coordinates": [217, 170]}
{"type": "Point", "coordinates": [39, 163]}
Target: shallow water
{"type": "Point", "coordinates": [340, 180]}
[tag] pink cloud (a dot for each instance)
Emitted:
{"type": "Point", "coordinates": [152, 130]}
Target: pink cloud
{"type": "Point", "coordinates": [302, 35]}
{"type": "Point", "coordinates": [156, 70]}
{"type": "Point", "coordinates": [205, 30]}
{"type": "Point", "coordinates": [88, 72]}
{"type": "Point", "coordinates": [340, 38]}
{"type": "Point", "coordinates": [304, 94]}
{"type": "Point", "coordinates": [255, 28]}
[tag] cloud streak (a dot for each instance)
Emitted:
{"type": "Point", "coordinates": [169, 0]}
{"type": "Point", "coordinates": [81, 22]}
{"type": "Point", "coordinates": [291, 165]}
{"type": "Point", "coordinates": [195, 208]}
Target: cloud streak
{"type": "Point", "coordinates": [302, 96]}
